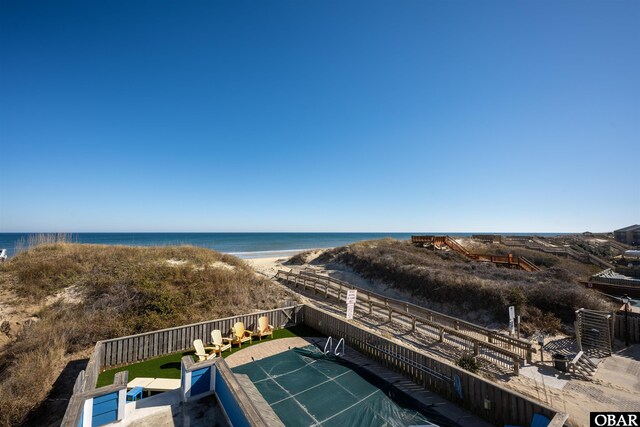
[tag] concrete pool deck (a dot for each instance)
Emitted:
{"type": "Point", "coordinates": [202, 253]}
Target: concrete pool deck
{"type": "Point", "coordinates": [445, 408]}
{"type": "Point", "coordinates": [266, 349]}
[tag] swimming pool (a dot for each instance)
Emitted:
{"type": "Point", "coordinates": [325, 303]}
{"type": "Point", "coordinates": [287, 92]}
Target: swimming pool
{"type": "Point", "coordinates": [304, 387]}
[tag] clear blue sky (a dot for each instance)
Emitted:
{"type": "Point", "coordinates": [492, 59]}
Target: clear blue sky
{"type": "Point", "coordinates": [319, 115]}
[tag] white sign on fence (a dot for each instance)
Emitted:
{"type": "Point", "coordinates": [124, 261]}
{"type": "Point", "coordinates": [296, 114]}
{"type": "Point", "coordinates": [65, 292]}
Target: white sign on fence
{"type": "Point", "coordinates": [350, 308]}
{"type": "Point", "coordinates": [351, 296]}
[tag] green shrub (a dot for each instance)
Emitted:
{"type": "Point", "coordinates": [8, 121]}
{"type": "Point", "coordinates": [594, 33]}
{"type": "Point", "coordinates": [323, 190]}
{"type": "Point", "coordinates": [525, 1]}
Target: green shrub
{"type": "Point", "coordinates": [468, 362]}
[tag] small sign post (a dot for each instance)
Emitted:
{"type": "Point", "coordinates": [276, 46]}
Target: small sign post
{"type": "Point", "coordinates": [512, 318]}
{"type": "Point", "coordinates": [352, 295]}
{"type": "Point", "coordinates": [350, 311]}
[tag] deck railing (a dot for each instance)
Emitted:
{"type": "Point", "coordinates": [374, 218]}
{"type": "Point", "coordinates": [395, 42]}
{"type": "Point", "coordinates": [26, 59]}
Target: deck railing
{"type": "Point", "coordinates": [615, 281]}
{"type": "Point", "coordinates": [496, 348]}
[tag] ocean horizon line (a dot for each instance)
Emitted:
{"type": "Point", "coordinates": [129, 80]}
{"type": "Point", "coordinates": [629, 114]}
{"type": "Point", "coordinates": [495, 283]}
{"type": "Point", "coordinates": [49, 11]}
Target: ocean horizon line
{"type": "Point", "coordinates": [243, 244]}
{"type": "Point", "coordinates": [305, 232]}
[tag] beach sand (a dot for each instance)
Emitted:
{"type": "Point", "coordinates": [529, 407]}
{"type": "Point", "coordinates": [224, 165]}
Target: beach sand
{"type": "Point", "coordinates": [269, 265]}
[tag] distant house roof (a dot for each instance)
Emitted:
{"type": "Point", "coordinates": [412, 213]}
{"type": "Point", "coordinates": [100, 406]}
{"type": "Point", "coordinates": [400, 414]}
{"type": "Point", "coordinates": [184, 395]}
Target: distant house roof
{"type": "Point", "coordinates": [629, 228]}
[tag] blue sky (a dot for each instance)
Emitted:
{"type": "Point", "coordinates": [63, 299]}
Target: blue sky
{"type": "Point", "coordinates": [319, 115]}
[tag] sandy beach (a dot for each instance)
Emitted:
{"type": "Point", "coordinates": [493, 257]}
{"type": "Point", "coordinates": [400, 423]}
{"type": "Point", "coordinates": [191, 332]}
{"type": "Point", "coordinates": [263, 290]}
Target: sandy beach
{"type": "Point", "coordinates": [270, 264]}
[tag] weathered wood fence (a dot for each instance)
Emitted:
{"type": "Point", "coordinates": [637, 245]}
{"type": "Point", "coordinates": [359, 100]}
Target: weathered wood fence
{"type": "Point", "coordinates": [483, 398]}
{"type": "Point", "coordinates": [633, 322]}
{"type": "Point", "coordinates": [135, 348]}
{"type": "Point", "coordinates": [498, 349]}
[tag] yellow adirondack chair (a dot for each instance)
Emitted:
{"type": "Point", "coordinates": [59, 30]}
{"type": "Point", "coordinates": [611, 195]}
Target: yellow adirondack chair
{"type": "Point", "coordinates": [240, 334]}
{"type": "Point", "coordinates": [201, 352]}
{"type": "Point", "coordinates": [220, 344]}
{"type": "Point", "coordinates": [264, 328]}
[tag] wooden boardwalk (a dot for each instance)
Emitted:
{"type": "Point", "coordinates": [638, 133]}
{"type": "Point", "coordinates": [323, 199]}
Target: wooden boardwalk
{"type": "Point", "coordinates": [504, 351]}
{"type": "Point", "coordinates": [508, 261]}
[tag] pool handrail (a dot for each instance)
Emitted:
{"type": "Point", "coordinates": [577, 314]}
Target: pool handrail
{"type": "Point", "coordinates": [329, 344]}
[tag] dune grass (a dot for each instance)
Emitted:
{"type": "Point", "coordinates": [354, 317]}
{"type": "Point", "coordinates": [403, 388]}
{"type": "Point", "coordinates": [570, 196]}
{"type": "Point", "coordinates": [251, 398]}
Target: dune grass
{"type": "Point", "coordinates": [543, 298]}
{"type": "Point", "coordinates": [169, 366]}
{"type": "Point", "coordinates": [94, 292]}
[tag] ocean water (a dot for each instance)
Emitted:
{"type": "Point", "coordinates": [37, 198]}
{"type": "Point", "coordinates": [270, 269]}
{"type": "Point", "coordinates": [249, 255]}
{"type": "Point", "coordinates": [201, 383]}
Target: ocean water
{"type": "Point", "coordinates": [244, 245]}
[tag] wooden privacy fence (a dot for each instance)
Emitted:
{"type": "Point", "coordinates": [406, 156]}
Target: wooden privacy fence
{"type": "Point", "coordinates": [483, 398]}
{"type": "Point", "coordinates": [633, 323]}
{"type": "Point", "coordinates": [496, 348]}
{"type": "Point", "coordinates": [134, 348]}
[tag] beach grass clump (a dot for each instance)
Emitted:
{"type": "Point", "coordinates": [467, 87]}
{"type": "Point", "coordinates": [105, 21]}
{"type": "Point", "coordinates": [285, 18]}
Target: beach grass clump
{"type": "Point", "coordinates": [23, 385]}
{"type": "Point", "coordinates": [542, 298]}
{"type": "Point", "coordinates": [468, 361]}
{"type": "Point", "coordinates": [88, 293]}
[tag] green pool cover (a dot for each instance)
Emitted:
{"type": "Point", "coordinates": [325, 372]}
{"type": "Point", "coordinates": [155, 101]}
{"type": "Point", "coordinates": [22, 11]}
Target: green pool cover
{"type": "Point", "coordinates": [307, 388]}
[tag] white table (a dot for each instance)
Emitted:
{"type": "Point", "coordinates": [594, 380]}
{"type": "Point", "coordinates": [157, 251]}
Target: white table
{"type": "Point", "coordinates": [139, 382]}
{"type": "Point", "coordinates": [154, 384]}
{"type": "Point", "coordinates": [163, 384]}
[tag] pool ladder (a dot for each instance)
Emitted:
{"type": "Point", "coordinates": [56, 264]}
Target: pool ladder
{"type": "Point", "coordinates": [329, 346]}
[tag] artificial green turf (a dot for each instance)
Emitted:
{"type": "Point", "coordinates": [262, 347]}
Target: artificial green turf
{"type": "Point", "coordinates": [169, 366]}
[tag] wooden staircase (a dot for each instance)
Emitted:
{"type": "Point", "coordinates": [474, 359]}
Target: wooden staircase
{"type": "Point", "coordinates": [582, 366]}
{"type": "Point", "coordinates": [508, 261]}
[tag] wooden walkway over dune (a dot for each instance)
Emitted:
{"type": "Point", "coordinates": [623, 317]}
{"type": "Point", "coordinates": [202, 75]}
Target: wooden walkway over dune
{"type": "Point", "coordinates": [497, 349]}
{"type": "Point", "coordinates": [504, 261]}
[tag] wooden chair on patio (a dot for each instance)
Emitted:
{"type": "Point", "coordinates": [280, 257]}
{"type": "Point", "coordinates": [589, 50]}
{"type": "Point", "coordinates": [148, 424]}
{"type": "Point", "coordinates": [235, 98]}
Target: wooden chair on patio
{"type": "Point", "coordinates": [241, 334]}
{"type": "Point", "coordinates": [201, 352]}
{"type": "Point", "coordinates": [264, 328]}
{"type": "Point", "coordinates": [219, 343]}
